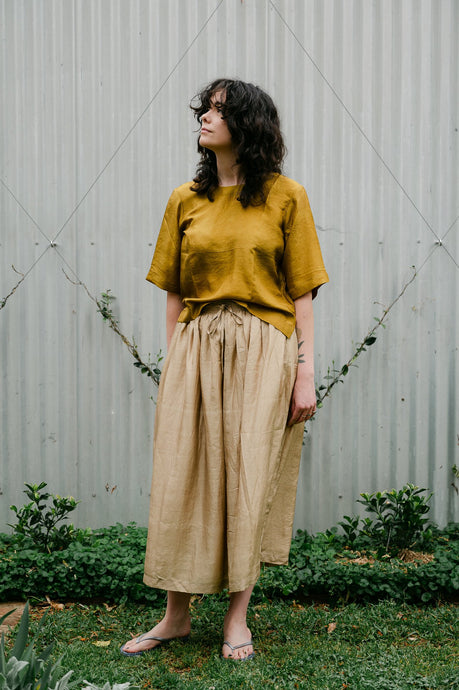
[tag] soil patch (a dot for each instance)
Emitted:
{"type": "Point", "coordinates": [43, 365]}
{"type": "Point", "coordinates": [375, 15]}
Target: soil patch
{"type": "Point", "coordinates": [12, 619]}
{"type": "Point", "coordinates": [405, 555]}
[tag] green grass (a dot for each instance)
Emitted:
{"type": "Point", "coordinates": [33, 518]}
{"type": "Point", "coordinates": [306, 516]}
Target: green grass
{"type": "Point", "coordinates": [383, 646]}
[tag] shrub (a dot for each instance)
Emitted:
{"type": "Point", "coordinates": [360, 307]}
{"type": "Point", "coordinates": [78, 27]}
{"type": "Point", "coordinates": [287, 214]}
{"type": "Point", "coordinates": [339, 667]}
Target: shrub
{"type": "Point", "coordinates": [399, 517]}
{"type": "Point", "coordinates": [38, 521]}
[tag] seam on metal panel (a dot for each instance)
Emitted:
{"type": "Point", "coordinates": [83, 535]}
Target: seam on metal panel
{"type": "Point", "coordinates": [344, 106]}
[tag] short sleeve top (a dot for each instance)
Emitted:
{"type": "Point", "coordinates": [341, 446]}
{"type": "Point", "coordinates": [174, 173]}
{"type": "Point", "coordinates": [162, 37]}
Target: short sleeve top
{"type": "Point", "coordinates": [262, 257]}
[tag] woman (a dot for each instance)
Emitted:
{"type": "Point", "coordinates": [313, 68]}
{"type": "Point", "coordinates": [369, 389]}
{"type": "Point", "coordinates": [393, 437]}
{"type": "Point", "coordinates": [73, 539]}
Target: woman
{"type": "Point", "coordinates": [239, 258]}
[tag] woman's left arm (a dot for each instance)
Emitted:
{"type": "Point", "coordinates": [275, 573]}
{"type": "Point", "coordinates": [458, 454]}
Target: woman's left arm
{"type": "Point", "coordinates": [303, 402]}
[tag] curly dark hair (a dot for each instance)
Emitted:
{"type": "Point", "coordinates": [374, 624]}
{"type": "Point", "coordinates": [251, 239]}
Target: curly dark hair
{"type": "Point", "coordinates": [254, 125]}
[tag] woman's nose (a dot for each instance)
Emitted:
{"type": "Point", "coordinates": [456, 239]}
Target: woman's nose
{"type": "Point", "coordinates": [205, 117]}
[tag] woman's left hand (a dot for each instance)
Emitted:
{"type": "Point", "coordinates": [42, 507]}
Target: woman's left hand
{"type": "Point", "coordinates": [303, 402]}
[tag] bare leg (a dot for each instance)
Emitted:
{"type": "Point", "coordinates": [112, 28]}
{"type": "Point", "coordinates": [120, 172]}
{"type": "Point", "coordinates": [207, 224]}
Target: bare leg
{"type": "Point", "coordinates": [176, 623]}
{"type": "Point", "coordinates": [235, 628]}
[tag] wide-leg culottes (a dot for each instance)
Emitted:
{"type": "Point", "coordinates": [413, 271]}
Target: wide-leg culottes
{"type": "Point", "coordinates": [225, 466]}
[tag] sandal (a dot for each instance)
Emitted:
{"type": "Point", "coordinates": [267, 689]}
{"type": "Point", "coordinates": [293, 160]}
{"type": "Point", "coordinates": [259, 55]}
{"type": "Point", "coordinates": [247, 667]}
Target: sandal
{"type": "Point", "coordinates": [238, 646]}
{"type": "Point", "coordinates": [141, 638]}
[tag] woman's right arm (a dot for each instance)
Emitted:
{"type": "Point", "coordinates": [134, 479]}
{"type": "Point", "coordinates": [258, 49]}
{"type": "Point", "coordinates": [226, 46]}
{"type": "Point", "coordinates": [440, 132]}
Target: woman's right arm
{"type": "Point", "coordinates": [173, 308]}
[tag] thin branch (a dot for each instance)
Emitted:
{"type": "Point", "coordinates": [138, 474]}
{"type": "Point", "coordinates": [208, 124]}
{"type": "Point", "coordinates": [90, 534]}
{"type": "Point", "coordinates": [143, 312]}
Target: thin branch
{"type": "Point", "coordinates": [368, 340]}
{"type": "Point", "coordinates": [113, 323]}
{"type": "Point", "coordinates": [5, 299]}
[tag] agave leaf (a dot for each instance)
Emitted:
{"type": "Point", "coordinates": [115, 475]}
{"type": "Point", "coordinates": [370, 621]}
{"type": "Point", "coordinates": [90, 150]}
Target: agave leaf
{"type": "Point", "coordinates": [15, 672]}
{"type": "Point", "coordinates": [43, 680]}
{"type": "Point", "coordinates": [2, 657]}
{"type": "Point", "coordinates": [64, 684]}
{"type": "Point", "coordinates": [107, 686]}
{"type": "Point", "coordinates": [45, 654]}
{"type": "Point", "coordinates": [22, 634]}
{"type": "Point", "coordinates": [40, 624]}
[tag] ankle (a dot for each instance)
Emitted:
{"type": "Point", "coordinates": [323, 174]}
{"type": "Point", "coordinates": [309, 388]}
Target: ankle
{"type": "Point", "coordinates": [177, 618]}
{"type": "Point", "coordinates": [234, 623]}
{"type": "Point", "coordinates": [236, 616]}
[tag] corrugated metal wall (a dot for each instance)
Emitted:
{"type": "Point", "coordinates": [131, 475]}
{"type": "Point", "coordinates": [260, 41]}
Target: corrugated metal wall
{"type": "Point", "coordinates": [95, 133]}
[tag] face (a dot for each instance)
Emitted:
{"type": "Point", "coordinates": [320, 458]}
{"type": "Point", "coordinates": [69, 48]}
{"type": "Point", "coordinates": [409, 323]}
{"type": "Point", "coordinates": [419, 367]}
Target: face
{"type": "Point", "coordinates": [215, 134]}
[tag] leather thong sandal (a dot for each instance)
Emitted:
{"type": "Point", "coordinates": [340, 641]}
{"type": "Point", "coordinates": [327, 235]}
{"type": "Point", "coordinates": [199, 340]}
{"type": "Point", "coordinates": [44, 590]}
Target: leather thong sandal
{"type": "Point", "coordinates": [141, 638]}
{"type": "Point", "coordinates": [238, 646]}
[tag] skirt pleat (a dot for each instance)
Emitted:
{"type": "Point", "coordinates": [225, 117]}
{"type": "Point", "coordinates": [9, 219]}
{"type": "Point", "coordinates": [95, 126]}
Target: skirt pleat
{"type": "Point", "coordinates": [225, 466]}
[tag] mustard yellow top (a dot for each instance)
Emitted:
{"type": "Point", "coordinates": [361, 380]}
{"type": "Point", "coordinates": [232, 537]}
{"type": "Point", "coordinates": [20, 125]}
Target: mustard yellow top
{"type": "Point", "coordinates": [262, 257]}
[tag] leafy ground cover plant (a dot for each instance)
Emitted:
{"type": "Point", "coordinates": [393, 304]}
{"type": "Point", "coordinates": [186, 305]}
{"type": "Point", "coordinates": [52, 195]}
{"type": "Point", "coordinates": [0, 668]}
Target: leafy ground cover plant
{"type": "Point", "coordinates": [325, 567]}
{"type": "Point", "coordinates": [358, 564]}
{"type": "Point", "coordinates": [109, 565]}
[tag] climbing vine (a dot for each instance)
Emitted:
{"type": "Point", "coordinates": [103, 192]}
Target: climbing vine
{"type": "Point", "coordinates": [332, 378]}
{"type": "Point", "coordinates": [5, 299]}
{"type": "Point", "coordinates": [334, 375]}
{"type": "Point", "coordinates": [152, 368]}
{"type": "Point", "coordinates": [104, 307]}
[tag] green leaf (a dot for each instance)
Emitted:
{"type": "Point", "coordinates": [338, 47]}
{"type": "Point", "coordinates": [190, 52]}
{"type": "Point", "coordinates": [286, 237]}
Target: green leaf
{"type": "Point", "coordinates": [22, 634]}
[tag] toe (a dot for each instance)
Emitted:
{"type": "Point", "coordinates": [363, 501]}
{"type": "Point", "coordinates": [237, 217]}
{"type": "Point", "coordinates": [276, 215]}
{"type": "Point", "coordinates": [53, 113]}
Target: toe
{"type": "Point", "coordinates": [227, 652]}
{"type": "Point", "coordinates": [131, 646]}
{"type": "Point", "coordinates": [128, 646]}
{"type": "Point", "coordinates": [237, 654]}
{"type": "Point", "coordinates": [138, 644]}
{"type": "Point", "coordinates": [245, 651]}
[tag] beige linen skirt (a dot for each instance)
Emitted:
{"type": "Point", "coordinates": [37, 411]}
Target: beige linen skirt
{"type": "Point", "coordinates": [225, 466]}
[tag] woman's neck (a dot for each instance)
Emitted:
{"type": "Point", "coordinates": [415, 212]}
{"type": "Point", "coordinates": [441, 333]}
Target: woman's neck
{"type": "Point", "coordinates": [228, 171]}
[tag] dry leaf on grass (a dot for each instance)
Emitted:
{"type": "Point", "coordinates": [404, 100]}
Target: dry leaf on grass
{"type": "Point", "coordinates": [331, 627]}
{"type": "Point", "coordinates": [408, 556]}
{"type": "Point", "coordinates": [102, 643]}
{"type": "Point", "coordinates": [110, 608]}
{"type": "Point", "coordinates": [55, 604]}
